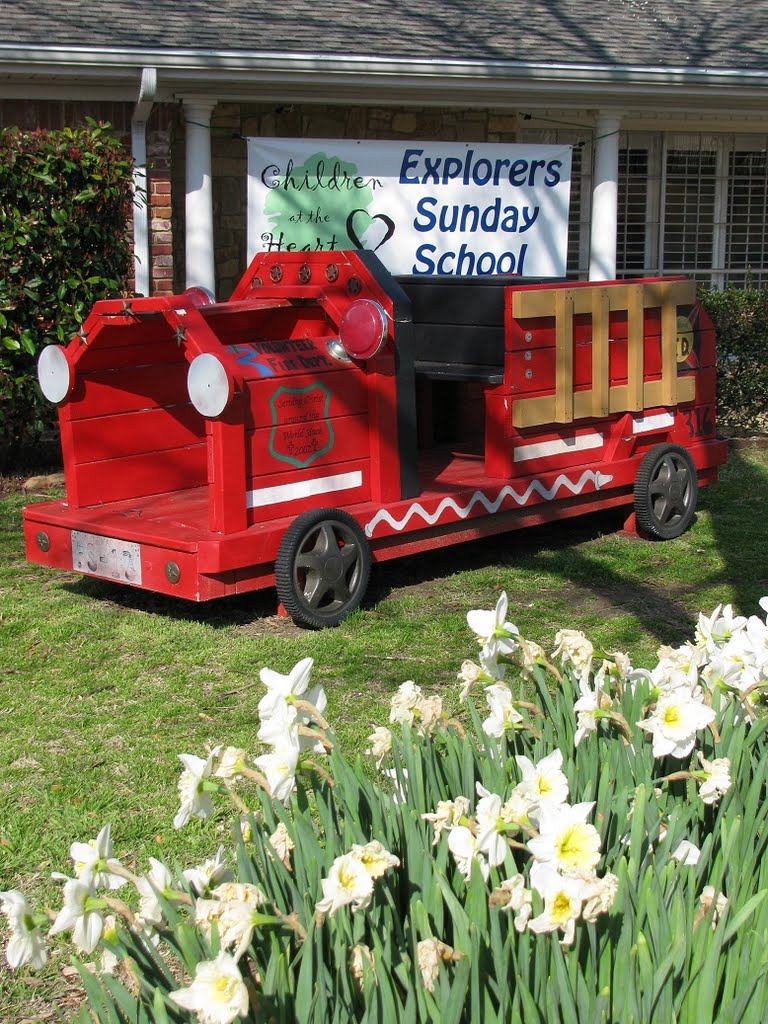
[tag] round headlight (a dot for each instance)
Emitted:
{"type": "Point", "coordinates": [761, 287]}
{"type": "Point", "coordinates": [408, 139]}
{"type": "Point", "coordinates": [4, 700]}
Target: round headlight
{"type": "Point", "coordinates": [363, 329]}
{"type": "Point", "coordinates": [54, 373]}
{"type": "Point", "coordinates": [209, 385]}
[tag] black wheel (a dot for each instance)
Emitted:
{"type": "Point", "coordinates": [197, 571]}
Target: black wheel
{"type": "Point", "coordinates": [666, 489]}
{"type": "Point", "coordinates": [322, 567]}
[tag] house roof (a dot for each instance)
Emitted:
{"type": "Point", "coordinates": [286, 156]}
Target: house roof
{"type": "Point", "coordinates": [675, 33]}
{"type": "Point", "coordinates": [383, 50]}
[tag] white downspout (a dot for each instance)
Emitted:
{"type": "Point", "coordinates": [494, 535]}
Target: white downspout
{"type": "Point", "coordinates": [147, 92]}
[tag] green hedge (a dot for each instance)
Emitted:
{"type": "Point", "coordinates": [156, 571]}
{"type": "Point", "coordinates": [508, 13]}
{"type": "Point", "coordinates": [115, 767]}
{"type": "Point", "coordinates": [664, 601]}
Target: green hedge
{"type": "Point", "coordinates": [740, 316]}
{"type": "Point", "coordinates": [64, 202]}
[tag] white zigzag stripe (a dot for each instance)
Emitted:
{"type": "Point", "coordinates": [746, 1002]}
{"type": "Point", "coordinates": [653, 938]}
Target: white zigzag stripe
{"type": "Point", "coordinates": [430, 518]}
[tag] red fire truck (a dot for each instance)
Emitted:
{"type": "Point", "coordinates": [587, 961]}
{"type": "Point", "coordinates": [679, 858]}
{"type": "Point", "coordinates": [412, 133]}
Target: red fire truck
{"type": "Point", "coordinates": [329, 415]}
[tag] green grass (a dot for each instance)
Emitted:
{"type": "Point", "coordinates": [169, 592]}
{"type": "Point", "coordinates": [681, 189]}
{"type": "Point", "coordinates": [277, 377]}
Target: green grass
{"type": "Point", "coordinates": [103, 686]}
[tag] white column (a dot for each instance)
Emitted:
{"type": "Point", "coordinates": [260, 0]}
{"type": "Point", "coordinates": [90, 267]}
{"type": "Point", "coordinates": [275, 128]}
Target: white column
{"type": "Point", "coordinates": [199, 195]}
{"type": "Point", "coordinates": [605, 190]}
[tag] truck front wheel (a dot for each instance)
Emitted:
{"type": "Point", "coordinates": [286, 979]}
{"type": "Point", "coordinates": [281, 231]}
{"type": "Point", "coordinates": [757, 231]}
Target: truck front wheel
{"type": "Point", "coordinates": [322, 568]}
{"type": "Point", "coordinates": [666, 489]}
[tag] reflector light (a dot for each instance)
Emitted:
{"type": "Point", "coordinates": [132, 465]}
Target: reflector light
{"type": "Point", "coordinates": [363, 329]}
{"type": "Point", "coordinates": [54, 373]}
{"type": "Point", "coordinates": [200, 296]}
{"type": "Point", "coordinates": [209, 385]}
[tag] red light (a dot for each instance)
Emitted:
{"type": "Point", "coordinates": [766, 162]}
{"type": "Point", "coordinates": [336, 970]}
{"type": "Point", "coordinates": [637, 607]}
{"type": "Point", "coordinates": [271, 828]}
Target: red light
{"type": "Point", "coordinates": [363, 329]}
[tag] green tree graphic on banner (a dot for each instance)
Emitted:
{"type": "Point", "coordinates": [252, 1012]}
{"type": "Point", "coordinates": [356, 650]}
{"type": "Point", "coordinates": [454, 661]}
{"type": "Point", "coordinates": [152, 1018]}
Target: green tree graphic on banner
{"type": "Point", "coordinates": [323, 204]}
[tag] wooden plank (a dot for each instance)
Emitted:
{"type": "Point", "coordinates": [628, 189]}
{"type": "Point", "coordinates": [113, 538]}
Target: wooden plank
{"type": "Point", "coordinates": [139, 387]}
{"type": "Point", "coordinates": [600, 352]}
{"type": "Point", "coordinates": [635, 347]}
{"type": "Point", "coordinates": [141, 475]}
{"type": "Point", "coordinates": [135, 433]}
{"type": "Point", "coordinates": [564, 356]}
{"type": "Point", "coordinates": [669, 353]}
{"type": "Point", "coordinates": [226, 469]}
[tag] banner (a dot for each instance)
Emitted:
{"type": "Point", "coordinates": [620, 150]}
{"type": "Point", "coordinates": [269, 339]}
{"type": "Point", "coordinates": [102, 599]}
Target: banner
{"type": "Point", "coordinates": [423, 207]}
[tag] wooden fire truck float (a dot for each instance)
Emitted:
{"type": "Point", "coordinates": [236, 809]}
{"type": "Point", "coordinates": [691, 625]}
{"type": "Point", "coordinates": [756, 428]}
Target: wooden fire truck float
{"type": "Point", "coordinates": [330, 415]}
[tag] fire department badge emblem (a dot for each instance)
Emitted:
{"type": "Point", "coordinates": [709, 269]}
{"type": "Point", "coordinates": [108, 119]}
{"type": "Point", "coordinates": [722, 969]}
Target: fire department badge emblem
{"type": "Point", "coordinates": [301, 430]}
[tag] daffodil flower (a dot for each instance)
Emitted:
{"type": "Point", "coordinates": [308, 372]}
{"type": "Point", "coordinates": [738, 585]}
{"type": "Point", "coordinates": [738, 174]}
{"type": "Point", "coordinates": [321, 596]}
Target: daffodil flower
{"type": "Point", "coordinates": [495, 635]}
{"type": "Point", "coordinates": [566, 841]}
{"type": "Point", "coordinates": [544, 782]}
{"type": "Point", "coordinates": [677, 718]}
{"type": "Point", "coordinates": [26, 944]}
{"type": "Point", "coordinates": [348, 883]}
{"type": "Point", "coordinates": [82, 914]}
{"type": "Point", "coordinates": [92, 859]}
{"type": "Point", "coordinates": [195, 788]}
{"type": "Point", "coordinates": [217, 994]}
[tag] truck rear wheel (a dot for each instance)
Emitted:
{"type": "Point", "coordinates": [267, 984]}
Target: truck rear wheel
{"type": "Point", "coordinates": [322, 568]}
{"type": "Point", "coordinates": [666, 489]}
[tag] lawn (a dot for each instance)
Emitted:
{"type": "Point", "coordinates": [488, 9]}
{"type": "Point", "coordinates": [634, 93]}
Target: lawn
{"type": "Point", "coordinates": [103, 686]}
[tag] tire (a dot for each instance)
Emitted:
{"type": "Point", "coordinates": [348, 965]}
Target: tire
{"type": "Point", "coordinates": [322, 568]}
{"type": "Point", "coordinates": [666, 490]}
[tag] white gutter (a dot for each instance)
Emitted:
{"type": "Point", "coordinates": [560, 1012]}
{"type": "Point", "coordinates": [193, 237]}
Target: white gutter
{"type": "Point", "coordinates": [147, 92]}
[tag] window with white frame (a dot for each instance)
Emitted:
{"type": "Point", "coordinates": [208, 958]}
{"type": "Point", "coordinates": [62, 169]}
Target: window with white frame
{"type": "Point", "coordinates": [706, 203]}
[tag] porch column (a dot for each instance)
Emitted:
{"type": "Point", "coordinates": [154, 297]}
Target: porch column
{"type": "Point", "coordinates": [603, 235]}
{"type": "Point", "coordinates": [199, 195]}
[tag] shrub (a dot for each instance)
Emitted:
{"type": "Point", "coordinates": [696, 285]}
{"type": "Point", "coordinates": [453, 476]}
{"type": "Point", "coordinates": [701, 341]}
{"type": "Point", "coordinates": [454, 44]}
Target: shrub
{"type": "Point", "coordinates": [596, 855]}
{"type": "Point", "coordinates": [64, 199]}
{"type": "Point", "coordinates": [740, 316]}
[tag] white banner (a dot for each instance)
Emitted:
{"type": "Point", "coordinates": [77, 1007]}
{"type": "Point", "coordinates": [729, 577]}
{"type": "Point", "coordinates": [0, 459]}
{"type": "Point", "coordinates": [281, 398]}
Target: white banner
{"type": "Point", "coordinates": [423, 207]}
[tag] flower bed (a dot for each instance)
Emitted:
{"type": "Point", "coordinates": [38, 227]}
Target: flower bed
{"type": "Point", "coordinates": [596, 854]}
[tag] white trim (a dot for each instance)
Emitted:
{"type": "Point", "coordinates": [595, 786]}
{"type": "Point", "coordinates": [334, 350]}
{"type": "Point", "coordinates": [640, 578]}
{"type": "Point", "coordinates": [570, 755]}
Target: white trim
{"type": "Point", "coordinates": [560, 446]}
{"type": "Point", "coordinates": [647, 424]}
{"type": "Point", "coordinates": [302, 489]}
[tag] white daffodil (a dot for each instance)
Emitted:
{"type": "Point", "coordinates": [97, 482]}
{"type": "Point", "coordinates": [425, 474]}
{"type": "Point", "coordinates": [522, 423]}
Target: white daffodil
{"type": "Point", "coordinates": [712, 902]}
{"type": "Point", "coordinates": [513, 897]}
{"type": "Point", "coordinates": [158, 880]}
{"type": "Point", "coordinates": [404, 703]}
{"type": "Point", "coordinates": [463, 845]}
{"type": "Point", "coordinates": [374, 858]}
{"type": "Point", "coordinates": [598, 895]}
{"type": "Point", "coordinates": [518, 806]}
{"type": "Point", "coordinates": [231, 765]}
{"type": "Point", "coordinates": [495, 635]}
{"type": "Point", "coordinates": [194, 788]}
{"type": "Point", "coordinates": [237, 914]}
{"type": "Point", "coordinates": [295, 684]}
{"type": "Point", "coordinates": [280, 768]}
{"type": "Point", "coordinates": [718, 778]}
{"type": "Point", "coordinates": [81, 914]}
{"type": "Point", "coordinates": [26, 944]}
{"type": "Point", "coordinates": [468, 676]}
{"type": "Point", "coordinates": [217, 995]}
{"type": "Point", "coordinates": [348, 883]}
{"type": "Point", "coordinates": [491, 840]}
{"type": "Point", "coordinates": [430, 954]}
{"type": "Point", "coordinates": [109, 940]}
{"type": "Point", "coordinates": [448, 814]}
{"type": "Point", "coordinates": [586, 708]}
{"type": "Point", "coordinates": [573, 648]}
{"type": "Point", "coordinates": [563, 898]}
{"type": "Point", "coordinates": [91, 861]}
{"type": "Point", "coordinates": [717, 628]}
{"type": "Point", "coordinates": [566, 841]}
{"type": "Point", "coordinates": [687, 853]}
{"type": "Point", "coordinates": [677, 718]}
{"type": "Point", "coordinates": [380, 744]}
{"type": "Point", "coordinates": [544, 782]}
{"type": "Point", "coordinates": [504, 715]}
{"type": "Point", "coordinates": [281, 842]}
{"type": "Point", "coordinates": [212, 872]}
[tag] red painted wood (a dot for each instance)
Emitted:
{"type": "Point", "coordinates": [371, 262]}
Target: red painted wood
{"type": "Point", "coordinates": [135, 433]}
{"type": "Point", "coordinates": [136, 476]}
